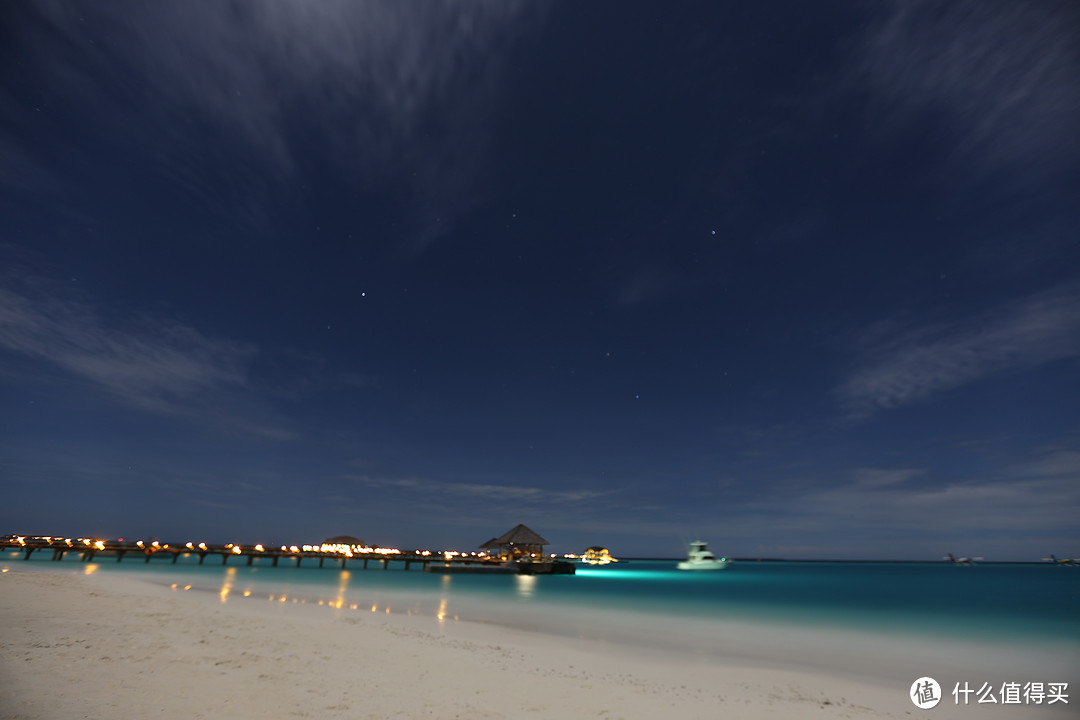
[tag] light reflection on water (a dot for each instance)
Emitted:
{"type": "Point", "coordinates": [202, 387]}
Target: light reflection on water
{"type": "Point", "coordinates": [227, 583]}
{"type": "Point", "coordinates": [526, 585]}
{"type": "Point", "coordinates": [1027, 602]}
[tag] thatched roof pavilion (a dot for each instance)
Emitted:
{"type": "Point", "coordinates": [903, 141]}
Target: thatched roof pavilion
{"type": "Point", "coordinates": [344, 540]}
{"type": "Point", "coordinates": [517, 542]}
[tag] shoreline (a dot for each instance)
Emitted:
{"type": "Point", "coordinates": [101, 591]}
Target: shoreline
{"type": "Point", "coordinates": [85, 644]}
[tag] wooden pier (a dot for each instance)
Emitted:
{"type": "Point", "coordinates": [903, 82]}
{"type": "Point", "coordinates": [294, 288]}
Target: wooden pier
{"type": "Point", "coordinates": [97, 550]}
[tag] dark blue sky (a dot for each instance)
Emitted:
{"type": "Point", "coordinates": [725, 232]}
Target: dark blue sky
{"type": "Point", "coordinates": [800, 279]}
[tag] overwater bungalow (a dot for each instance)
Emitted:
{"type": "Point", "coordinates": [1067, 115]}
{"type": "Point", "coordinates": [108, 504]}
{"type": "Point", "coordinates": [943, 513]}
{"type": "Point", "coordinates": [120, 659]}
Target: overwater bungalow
{"type": "Point", "coordinates": [519, 543]}
{"type": "Point", "coordinates": [597, 555]}
{"type": "Point", "coordinates": [523, 547]}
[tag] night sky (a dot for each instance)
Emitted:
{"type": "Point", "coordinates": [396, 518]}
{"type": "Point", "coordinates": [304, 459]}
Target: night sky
{"type": "Point", "coordinates": [799, 279]}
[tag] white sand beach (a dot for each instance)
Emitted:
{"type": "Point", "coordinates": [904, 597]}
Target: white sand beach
{"type": "Point", "coordinates": [81, 647]}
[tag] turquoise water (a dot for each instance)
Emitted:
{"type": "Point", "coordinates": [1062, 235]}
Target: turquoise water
{"type": "Point", "coordinates": [1008, 603]}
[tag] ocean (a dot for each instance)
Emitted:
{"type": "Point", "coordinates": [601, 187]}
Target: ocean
{"type": "Point", "coordinates": [1024, 617]}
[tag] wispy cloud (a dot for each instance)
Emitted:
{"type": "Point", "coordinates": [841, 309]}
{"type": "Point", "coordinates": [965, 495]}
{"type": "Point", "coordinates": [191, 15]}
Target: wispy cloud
{"type": "Point", "coordinates": [398, 88]}
{"type": "Point", "coordinates": [1002, 74]}
{"type": "Point", "coordinates": [1053, 463]}
{"type": "Point", "coordinates": [913, 364]}
{"type": "Point", "coordinates": [997, 505]}
{"type": "Point", "coordinates": [511, 494]}
{"type": "Point", "coordinates": [149, 363]}
{"type": "Point", "coordinates": [910, 512]}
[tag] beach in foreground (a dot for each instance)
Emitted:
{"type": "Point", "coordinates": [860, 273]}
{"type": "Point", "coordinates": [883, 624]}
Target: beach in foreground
{"type": "Point", "coordinates": [75, 646]}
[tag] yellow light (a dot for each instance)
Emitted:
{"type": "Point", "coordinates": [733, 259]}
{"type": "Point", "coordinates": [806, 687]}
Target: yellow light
{"type": "Point", "coordinates": [441, 613]}
{"type": "Point", "coordinates": [187, 587]}
{"type": "Point", "coordinates": [190, 546]}
{"type": "Point", "coordinates": [226, 585]}
{"type": "Point", "coordinates": [259, 548]}
{"type": "Point", "coordinates": [236, 550]}
{"type": "Point", "coordinates": [140, 543]}
{"type": "Point", "coordinates": [293, 548]}
{"type": "Point", "coordinates": [100, 545]}
{"type": "Point", "coordinates": [247, 593]}
{"type": "Point", "coordinates": [155, 543]}
{"type": "Point", "coordinates": [202, 546]}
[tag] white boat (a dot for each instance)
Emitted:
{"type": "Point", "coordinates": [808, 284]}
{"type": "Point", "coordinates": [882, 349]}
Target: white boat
{"type": "Point", "coordinates": [701, 558]}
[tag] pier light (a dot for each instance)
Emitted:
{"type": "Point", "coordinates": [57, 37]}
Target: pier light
{"type": "Point", "coordinates": [87, 542]}
{"type": "Point", "coordinates": [22, 540]}
{"type": "Point", "coordinates": [293, 548]}
{"type": "Point", "coordinates": [202, 546]}
{"type": "Point", "coordinates": [100, 544]}
{"type": "Point", "coordinates": [236, 550]}
{"type": "Point", "coordinates": [139, 543]}
{"type": "Point", "coordinates": [260, 548]}
{"type": "Point", "coordinates": [165, 546]}
{"type": "Point", "coordinates": [190, 546]}
{"type": "Point", "coordinates": [284, 549]}
{"type": "Point", "coordinates": [156, 543]}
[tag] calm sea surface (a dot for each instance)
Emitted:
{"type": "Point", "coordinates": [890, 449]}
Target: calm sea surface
{"type": "Point", "coordinates": [1008, 603]}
